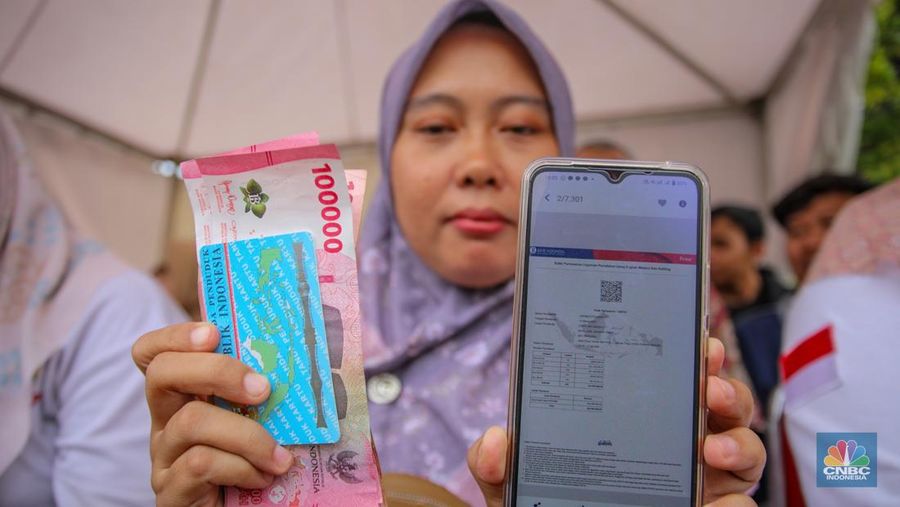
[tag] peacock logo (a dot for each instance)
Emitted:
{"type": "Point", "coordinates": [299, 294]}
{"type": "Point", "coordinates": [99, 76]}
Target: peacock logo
{"type": "Point", "coordinates": [846, 453]}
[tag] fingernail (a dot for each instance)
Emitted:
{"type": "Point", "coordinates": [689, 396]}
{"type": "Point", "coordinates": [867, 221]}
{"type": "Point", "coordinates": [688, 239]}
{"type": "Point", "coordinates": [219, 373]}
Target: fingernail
{"type": "Point", "coordinates": [727, 389]}
{"type": "Point", "coordinates": [200, 335]}
{"type": "Point", "coordinates": [283, 457]}
{"type": "Point", "coordinates": [729, 445]}
{"type": "Point", "coordinates": [255, 384]}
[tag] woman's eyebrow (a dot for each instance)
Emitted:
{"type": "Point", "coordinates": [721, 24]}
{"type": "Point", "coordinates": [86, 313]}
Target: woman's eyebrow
{"type": "Point", "coordinates": [528, 100]}
{"type": "Point", "coordinates": [435, 98]}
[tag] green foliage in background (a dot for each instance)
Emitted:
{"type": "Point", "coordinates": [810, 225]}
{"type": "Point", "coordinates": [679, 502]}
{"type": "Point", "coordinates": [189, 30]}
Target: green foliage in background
{"type": "Point", "coordinates": [879, 154]}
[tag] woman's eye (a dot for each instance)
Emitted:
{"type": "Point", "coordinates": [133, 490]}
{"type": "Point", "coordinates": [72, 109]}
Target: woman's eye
{"type": "Point", "coordinates": [434, 129]}
{"type": "Point", "coordinates": [521, 130]}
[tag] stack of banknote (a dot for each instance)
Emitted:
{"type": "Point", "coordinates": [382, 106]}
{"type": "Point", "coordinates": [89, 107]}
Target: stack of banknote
{"type": "Point", "coordinates": [275, 225]}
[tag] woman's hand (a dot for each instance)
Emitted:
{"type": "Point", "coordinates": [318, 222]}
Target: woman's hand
{"type": "Point", "coordinates": [195, 446]}
{"type": "Point", "coordinates": [734, 455]}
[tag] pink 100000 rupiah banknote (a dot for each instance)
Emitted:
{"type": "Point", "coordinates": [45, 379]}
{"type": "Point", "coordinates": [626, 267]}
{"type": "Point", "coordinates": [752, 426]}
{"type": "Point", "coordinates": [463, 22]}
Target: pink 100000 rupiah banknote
{"type": "Point", "coordinates": [300, 186]}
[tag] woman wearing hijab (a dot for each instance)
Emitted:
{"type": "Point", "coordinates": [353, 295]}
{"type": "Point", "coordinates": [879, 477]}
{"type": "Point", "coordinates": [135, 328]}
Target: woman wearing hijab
{"type": "Point", "coordinates": [464, 111]}
{"type": "Point", "coordinates": [73, 430]}
{"type": "Point", "coordinates": [437, 254]}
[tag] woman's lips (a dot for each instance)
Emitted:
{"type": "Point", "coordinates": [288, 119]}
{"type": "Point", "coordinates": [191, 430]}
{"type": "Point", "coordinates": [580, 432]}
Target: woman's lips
{"type": "Point", "coordinates": [475, 222]}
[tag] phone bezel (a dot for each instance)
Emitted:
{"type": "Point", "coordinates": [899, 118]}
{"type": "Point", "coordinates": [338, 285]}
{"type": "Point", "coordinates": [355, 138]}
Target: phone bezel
{"type": "Point", "coordinates": [701, 318]}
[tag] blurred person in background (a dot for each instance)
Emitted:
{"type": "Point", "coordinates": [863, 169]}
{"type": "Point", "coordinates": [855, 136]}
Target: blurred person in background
{"type": "Point", "coordinates": [604, 149]}
{"type": "Point", "coordinates": [750, 291]}
{"type": "Point", "coordinates": [840, 363]}
{"type": "Point", "coordinates": [806, 213]}
{"type": "Point", "coordinates": [437, 260]}
{"type": "Point", "coordinates": [737, 246]}
{"type": "Point", "coordinates": [74, 425]}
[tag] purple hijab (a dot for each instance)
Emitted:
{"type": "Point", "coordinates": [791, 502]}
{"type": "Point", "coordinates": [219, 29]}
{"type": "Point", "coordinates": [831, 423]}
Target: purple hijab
{"type": "Point", "coordinates": [448, 345]}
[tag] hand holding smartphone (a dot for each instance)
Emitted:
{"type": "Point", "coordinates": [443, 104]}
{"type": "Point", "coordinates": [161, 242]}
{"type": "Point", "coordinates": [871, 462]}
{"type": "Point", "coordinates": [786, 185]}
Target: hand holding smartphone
{"type": "Point", "coordinates": [608, 363]}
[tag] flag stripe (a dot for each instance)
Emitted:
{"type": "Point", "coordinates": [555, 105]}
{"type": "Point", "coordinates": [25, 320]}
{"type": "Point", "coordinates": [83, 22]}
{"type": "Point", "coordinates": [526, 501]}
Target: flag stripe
{"type": "Point", "coordinates": [793, 490]}
{"type": "Point", "coordinates": [816, 378]}
{"type": "Point", "coordinates": [809, 350]}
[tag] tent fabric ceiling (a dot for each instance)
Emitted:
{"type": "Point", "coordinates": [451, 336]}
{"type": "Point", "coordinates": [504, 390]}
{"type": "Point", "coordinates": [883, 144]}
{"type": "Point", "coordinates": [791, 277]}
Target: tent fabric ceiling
{"type": "Point", "coordinates": [741, 43]}
{"type": "Point", "coordinates": [143, 72]}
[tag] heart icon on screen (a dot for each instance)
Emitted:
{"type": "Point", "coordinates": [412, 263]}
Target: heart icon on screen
{"type": "Point", "coordinates": [662, 202]}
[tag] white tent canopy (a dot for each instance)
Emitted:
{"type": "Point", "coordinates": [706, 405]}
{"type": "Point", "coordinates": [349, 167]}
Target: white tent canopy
{"type": "Point", "coordinates": [740, 87]}
{"type": "Point", "coordinates": [187, 78]}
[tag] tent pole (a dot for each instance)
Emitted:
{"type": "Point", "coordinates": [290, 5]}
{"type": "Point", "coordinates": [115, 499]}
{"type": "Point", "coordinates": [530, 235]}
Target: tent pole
{"type": "Point", "coordinates": [33, 16]}
{"type": "Point", "coordinates": [190, 110]}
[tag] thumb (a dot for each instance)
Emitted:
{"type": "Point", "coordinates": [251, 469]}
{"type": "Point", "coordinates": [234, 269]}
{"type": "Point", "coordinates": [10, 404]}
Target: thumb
{"type": "Point", "coordinates": [487, 463]}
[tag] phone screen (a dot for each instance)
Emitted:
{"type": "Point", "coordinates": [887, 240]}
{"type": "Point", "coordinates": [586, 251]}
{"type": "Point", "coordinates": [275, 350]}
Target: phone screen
{"type": "Point", "coordinates": [609, 340]}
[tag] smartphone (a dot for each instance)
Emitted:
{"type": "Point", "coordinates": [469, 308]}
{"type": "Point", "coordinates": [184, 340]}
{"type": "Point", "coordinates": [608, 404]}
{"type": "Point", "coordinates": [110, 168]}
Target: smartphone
{"type": "Point", "coordinates": [608, 363]}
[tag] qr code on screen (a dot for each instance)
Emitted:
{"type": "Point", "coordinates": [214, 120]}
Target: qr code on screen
{"type": "Point", "coordinates": [610, 291]}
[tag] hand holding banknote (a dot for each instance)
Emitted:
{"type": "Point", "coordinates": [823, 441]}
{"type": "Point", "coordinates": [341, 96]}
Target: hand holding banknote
{"type": "Point", "coordinates": [196, 446]}
{"type": "Point", "coordinates": [274, 225]}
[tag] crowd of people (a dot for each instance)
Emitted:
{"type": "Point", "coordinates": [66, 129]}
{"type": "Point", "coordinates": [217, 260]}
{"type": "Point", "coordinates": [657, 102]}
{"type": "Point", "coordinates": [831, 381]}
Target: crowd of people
{"type": "Point", "coordinates": [757, 299]}
{"type": "Point", "coordinates": [437, 310]}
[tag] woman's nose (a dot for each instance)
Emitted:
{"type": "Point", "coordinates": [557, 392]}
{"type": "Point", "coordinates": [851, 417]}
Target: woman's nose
{"type": "Point", "coordinates": [481, 167]}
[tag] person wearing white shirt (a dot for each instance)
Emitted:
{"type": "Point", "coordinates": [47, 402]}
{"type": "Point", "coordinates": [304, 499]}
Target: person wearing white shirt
{"type": "Point", "coordinates": [75, 426]}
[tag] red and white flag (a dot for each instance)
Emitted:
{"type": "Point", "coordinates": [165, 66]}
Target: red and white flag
{"type": "Point", "coordinates": [809, 368]}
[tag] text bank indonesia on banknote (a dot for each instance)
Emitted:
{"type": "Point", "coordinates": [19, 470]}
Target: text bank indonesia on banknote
{"type": "Point", "coordinates": [280, 188]}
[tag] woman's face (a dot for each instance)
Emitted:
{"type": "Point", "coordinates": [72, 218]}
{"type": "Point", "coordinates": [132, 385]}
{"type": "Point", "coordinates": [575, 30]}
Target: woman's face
{"type": "Point", "coordinates": [476, 117]}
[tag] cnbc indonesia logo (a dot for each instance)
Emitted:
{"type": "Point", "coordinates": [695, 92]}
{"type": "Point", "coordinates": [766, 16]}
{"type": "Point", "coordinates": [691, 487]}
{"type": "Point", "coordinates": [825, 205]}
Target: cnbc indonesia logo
{"type": "Point", "coordinates": [847, 462]}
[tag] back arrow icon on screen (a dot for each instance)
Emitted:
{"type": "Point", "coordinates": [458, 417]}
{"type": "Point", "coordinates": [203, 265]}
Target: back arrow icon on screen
{"type": "Point", "coordinates": [547, 197]}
